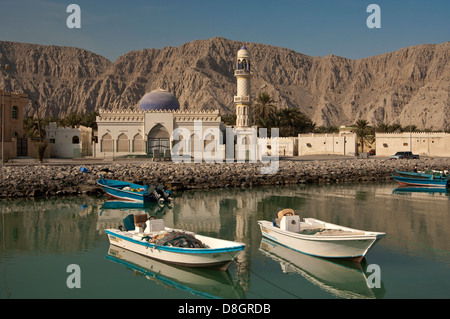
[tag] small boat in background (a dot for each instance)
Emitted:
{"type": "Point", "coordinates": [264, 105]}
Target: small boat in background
{"type": "Point", "coordinates": [133, 192]}
{"type": "Point", "coordinates": [318, 238]}
{"type": "Point", "coordinates": [420, 181]}
{"type": "Point", "coordinates": [435, 175]}
{"type": "Point", "coordinates": [150, 237]}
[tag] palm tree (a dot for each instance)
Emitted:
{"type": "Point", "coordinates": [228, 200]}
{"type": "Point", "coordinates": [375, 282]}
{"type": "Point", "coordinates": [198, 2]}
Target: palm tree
{"type": "Point", "coordinates": [264, 108]}
{"type": "Point", "coordinates": [364, 133]}
{"type": "Point", "coordinates": [72, 120]}
{"type": "Point", "coordinates": [382, 128]}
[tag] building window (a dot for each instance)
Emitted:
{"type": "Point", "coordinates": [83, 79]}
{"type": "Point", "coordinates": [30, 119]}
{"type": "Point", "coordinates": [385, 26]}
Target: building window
{"type": "Point", "coordinates": [15, 113]}
{"type": "Point", "coordinates": [52, 141]}
{"type": "Point", "coordinates": [75, 140]}
{"type": "Point", "coordinates": [405, 144]}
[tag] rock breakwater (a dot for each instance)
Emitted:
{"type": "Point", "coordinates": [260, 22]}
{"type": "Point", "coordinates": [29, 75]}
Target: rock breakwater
{"type": "Point", "coordinates": [67, 179]}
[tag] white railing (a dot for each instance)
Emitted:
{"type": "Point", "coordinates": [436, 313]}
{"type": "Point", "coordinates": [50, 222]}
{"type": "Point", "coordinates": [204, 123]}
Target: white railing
{"type": "Point", "coordinates": [238, 99]}
{"type": "Point", "coordinates": [241, 72]}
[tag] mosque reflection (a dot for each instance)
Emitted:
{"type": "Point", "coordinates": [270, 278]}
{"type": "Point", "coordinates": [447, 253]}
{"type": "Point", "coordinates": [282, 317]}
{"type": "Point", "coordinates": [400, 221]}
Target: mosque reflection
{"type": "Point", "coordinates": [74, 224]}
{"type": "Point", "coordinates": [232, 214]}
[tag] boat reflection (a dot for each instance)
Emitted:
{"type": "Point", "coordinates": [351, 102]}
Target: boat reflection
{"type": "Point", "coordinates": [344, 279]}
{"type": "Point", "coordinates": [112, 212]}
{"type": "Point", "coordinates": [207, 283]}
{"type": "Point", "coordinates": [421, 190]}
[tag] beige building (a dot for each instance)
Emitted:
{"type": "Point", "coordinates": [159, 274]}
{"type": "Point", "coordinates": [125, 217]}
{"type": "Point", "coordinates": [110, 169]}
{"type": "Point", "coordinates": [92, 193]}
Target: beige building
{"type": "Point", "coordinates": [69, 142]}
{"type": "Point", "coordinates": [149, 132]}
{"type": "Point", "coordinates": [11, 126]}
{"type": "Point", "coordinates": [328, 143]}
{"type": "Point", "coordinates": [420, 143]}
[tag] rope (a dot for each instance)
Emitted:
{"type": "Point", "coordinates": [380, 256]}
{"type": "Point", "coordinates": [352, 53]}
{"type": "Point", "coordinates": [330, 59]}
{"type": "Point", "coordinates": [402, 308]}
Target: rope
{"type": "Point", "coordinates": [269, 282]}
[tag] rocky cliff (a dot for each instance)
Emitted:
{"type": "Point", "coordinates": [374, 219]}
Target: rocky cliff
{"type": "Point", "coordinates": [410, 85]}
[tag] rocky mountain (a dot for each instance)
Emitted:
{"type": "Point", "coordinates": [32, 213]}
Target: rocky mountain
{"type": "Point", "coordinates": [410, 85]}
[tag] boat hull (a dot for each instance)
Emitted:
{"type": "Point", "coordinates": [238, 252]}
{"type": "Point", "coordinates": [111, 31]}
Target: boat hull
{"type": "Point", "coordinates": [352, 247]}
{"type": "Point", "coordinates": [408, 181]}
{"type": "Point", "coordinates": [116, 189]}
{"type": "Point", "coordinates": [219, 257]}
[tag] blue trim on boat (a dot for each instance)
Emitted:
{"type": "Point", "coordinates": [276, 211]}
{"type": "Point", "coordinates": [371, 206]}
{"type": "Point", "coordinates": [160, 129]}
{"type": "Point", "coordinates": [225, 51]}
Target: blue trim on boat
{"type": "Point", "coordinates": [422, 182]}
{"type": "Point", "coordinates": [178, 249]}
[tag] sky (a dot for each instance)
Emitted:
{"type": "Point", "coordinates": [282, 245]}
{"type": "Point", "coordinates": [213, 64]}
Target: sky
{"type": "Point", "coordinates": [315, 27]}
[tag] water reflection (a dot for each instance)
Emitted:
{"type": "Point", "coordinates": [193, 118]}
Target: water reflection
{"type": "Point", "coordinates": [344, 279]}
{"type": "Point", "coordinates": [207, 283]}
{"type": "Point", "coordinates": [416, 225]}
{"type": "Point", "coordinates": [422, 191]}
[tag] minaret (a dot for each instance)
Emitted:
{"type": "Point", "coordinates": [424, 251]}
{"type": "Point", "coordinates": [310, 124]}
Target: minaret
{"type": "Point", "coordinates": [243, 98]}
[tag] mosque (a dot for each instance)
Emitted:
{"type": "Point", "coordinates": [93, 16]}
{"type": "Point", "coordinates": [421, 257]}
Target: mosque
{"type": "Point", "coordinates": [160, 126]}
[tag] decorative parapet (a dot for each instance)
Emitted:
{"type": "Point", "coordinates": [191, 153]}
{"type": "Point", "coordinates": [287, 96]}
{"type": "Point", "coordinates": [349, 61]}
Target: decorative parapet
{"type": "Point", "coordinates": [413, 134]}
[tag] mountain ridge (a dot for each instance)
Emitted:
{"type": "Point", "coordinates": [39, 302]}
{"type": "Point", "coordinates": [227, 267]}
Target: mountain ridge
{"type": "Point", "coordinates": [406, 86]}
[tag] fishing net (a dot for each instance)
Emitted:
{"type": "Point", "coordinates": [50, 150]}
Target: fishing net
{"type": "Point", "coordinates": [177, 239]}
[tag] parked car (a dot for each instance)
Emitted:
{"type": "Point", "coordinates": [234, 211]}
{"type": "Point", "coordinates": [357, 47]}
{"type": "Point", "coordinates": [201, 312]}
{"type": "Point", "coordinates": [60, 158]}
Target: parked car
{"type": "Point", "coordinates": [406, 155]}
{"type": "Point", "coordinates": [372, 152]}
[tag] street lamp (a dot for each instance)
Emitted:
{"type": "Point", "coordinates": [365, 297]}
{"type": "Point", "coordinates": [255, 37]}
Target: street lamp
{"type": "Point", "coordinates": [6, 66]}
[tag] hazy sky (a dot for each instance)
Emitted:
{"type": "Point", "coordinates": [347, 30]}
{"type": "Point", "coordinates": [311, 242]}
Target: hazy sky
{"type": "Point", "coordinates": [316, 27]}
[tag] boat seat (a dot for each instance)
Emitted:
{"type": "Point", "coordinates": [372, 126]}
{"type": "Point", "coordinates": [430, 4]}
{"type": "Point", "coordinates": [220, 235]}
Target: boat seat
{"type": "Point", "coordinates": [286, 212]}
{"type": "Point", "coordinates": [128, 222]}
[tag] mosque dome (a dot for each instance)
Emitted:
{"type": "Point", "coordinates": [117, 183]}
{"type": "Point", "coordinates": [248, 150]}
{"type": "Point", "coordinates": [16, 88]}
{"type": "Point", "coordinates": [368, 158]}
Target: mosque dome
{"type": "Point", "coordinates": [159, 100]}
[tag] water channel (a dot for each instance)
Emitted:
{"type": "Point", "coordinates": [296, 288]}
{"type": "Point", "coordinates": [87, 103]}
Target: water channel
{"type": "Point", "coordinates": [40, 238]}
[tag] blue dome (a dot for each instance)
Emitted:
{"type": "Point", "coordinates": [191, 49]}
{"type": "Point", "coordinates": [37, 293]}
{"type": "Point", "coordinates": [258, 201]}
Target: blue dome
{"type": "Point", "coordinates": [243, 48]}
{"type": "Point", "coordinates": [159, 100]}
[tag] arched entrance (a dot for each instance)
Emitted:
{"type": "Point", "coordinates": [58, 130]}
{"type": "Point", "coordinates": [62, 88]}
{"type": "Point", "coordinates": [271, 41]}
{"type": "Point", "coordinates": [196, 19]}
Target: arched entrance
{"type": "Point", "coordinates": [158, 140]}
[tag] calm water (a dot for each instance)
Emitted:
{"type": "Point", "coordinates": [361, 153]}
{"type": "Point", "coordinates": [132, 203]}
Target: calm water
{"type": "Point", "coordinates": [41, 238]}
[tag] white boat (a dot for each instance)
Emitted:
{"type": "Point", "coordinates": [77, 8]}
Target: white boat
{"type": "Point", "coordinates": [156, 241]}
{"type": "Point", "coordinates": [318, 238]}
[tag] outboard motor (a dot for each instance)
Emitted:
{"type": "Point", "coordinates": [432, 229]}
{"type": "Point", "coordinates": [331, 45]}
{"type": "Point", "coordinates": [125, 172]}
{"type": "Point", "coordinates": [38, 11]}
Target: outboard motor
{"type": "Point", "coordinates": [163, 193]}
{"type": "Point", "coordinates": [153, 191]}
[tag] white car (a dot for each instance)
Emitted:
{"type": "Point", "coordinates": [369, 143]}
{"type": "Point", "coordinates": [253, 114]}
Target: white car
{"type": "Point", "coordinates": [399, 155]}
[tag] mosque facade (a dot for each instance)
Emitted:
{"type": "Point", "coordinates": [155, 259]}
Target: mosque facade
{"type": "Point", "coordinates": [159, 125]}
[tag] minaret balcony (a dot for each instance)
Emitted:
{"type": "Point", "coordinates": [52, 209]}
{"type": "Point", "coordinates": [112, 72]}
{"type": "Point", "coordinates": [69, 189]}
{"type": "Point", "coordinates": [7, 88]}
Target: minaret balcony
{"type": "Point", "coordinates": [242, 99]}
{"type": "Point", "coordinates": [241, 72]}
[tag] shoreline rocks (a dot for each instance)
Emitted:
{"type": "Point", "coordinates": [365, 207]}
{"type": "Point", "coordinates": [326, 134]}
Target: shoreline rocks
{"type": "Point", "coordinates": [66, 179]}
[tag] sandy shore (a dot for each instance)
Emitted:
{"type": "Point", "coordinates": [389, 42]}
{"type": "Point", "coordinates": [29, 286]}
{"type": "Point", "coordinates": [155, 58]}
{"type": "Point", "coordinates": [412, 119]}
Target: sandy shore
{"type": "Point", "coordinates": [30, 179]}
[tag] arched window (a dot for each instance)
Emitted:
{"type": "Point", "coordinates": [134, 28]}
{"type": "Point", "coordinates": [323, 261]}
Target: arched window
{"type": "Point", "coordinates": [75, 140]}
{"type": "Point", "coordinates": [15, 112]}
{"type": "Point", "coordinates": [123, 143]}
{"type": "Point", "coordinates": [107, 143]}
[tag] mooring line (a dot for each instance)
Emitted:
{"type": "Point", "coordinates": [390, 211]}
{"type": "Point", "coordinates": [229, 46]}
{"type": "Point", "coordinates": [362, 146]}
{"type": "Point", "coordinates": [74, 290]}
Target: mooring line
{"type": "Point", "coordinates": [276, 285]}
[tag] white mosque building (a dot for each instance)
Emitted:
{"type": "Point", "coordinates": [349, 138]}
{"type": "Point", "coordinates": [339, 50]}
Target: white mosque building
{"type": "Point", "coordinates": [159, 126]}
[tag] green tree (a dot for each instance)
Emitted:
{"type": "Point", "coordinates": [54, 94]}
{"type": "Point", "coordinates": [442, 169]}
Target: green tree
{"type": "Point", "coordinates": [364, 132]}
{"type": "Point", "coordinates": [264, 107]}
{"type": "Point", "coordinates": [382, 128]}
{"type": "Point", "coordinates": [89, 119]}
{"type": "Point", "coordinates": [293, 122]}
{"type": "Point", "coordinates": [326, 129]}
{"type": "Point", "coordinates": [229, 119]}
{"type": "Point", "coordinates": [72, 120]}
